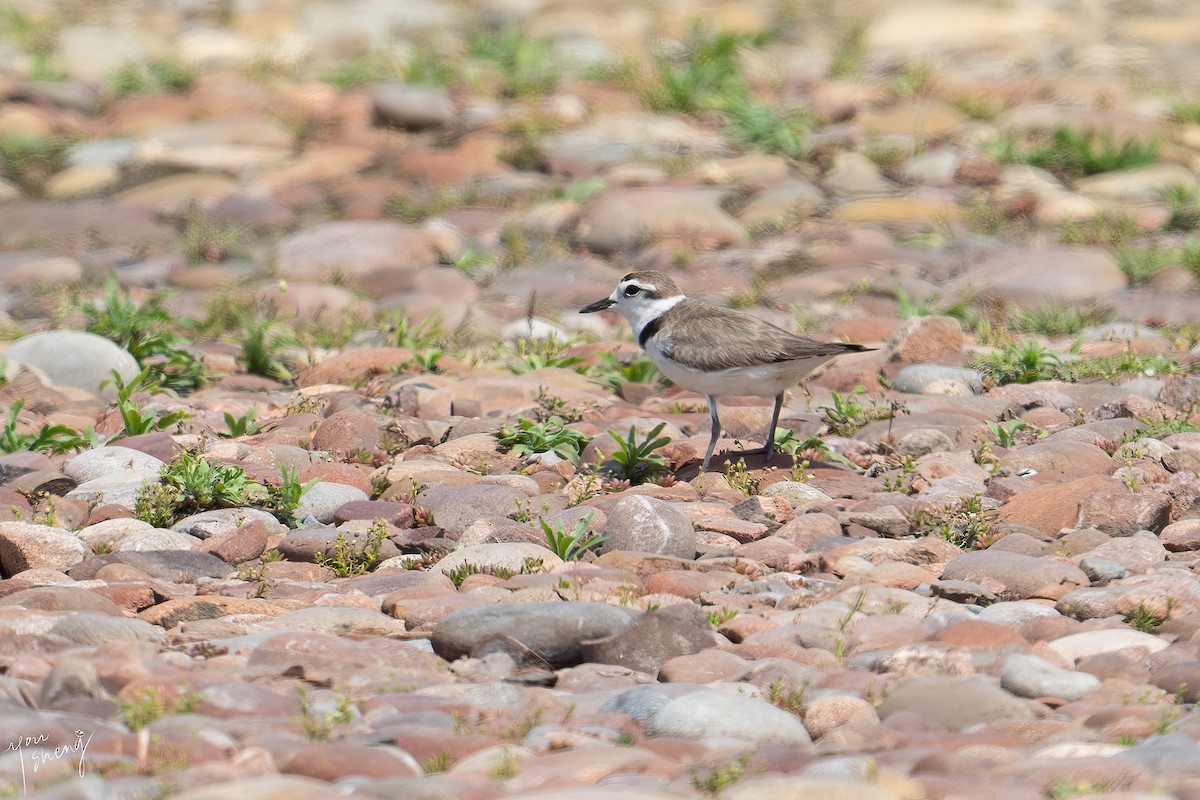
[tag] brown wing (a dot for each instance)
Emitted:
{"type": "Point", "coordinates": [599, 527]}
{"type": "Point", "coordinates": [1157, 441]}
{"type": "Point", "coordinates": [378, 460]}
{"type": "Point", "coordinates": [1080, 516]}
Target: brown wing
{"type": "Point", "coordinates": [719, 337]}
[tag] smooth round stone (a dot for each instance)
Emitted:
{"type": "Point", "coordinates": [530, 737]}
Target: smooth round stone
{"type": "Point", "coordinates": [952, 703]}
{"type": "Point", "coordinates": [412, 107]}
{"type": "Point", "coordinates": [156, 539]}
{"type": "Point", "coordinates": [75, 358]}
{"type": "Point", "coordinates": [647, 525]}
{"type": "Point", "coordinates": [120, 488]}
{"type": "Point", "coordinates": [25, 545]}
{"type": "Point", "coordinates": [102, 152]}
{"type": "Point", "coordinates": [939, 380]}
{"type": "Point", "coordinates": [711, 713]}
{"type": "Point", "coordinates": [324, 499]}
{"type": "Point", "coordinates": [552, 630]}
{"type": "Point", "coordinates": [101, 461]}
{"type": "Point", "coordinates": [1089, 643]}
{"type": "Point", "coordinates": [89, 628]}
{"type": "Point", "coordinates": [82, 181]}
{"type": "Point", "coordinates": [1030, 676]}
{"type": "Point", "coordinates": [223, 520]}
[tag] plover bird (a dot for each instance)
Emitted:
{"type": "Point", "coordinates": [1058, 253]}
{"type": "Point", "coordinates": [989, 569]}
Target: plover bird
{"type": "Point", "coordinates": [715, 350]}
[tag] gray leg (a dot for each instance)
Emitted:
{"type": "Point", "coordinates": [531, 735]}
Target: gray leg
{"type": "Point", "coordinates": [774, 422]}
{"type": "Point", "coordinates": [716, 430]}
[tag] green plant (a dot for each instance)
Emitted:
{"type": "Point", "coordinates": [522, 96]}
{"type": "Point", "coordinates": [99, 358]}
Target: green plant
{"type": "Point", "coordinates": [907, 307]}
{"type": "Point", "coordinates": [284, 499]}
{"type": "Point", "coordinates": [1054, 319]}
{"type": "Point", "coordinates": [570, 546]}
{"type": "Point", "coordinates": [200, 485]}
{"type": "Point", "coordinates": [532, 354]}
{"type": "Point", "coordinates": [1186, 111]}
{"type": "Point", "coordinates": [548, 406]}
{"type": "Point", "coordinates": [37, 36]}
{"type": "Point", "coordinates": [518, 730]}
{"type": "Point", "coordinates": [525, 64]}
{"type": "Point", "coordinates": [768, 128]}
{"type": "Point", "coordinates": [262, 341]}
{"type": "Point", "coordinates": [965, 524]}
{"type": "Point", "coordinates": [1184, 202]}
{"type": "Point", "coordinates": [847, 415]}
{"type": "Point", "coordinates": [205, 241]}
{"type": "Point", "coordinates": [134, 419]}
{"type": "Point", "coordinates": [785, 696]}
{"type": "Point", "coordinates": [580, 192]}
{"type": "Point", "coordinates": [369, 68]}
{"type": "Point", "coordinates": [430, 63]}
{"type": "Point", "coordinates": [902, 482]}
{"type": "Point", "coordinates": [913, 79]}
{"type": "Point", "coordinates": [147, 706]}
{"type": "Point", "coordinates": [740, 479]}
{"type": "Point", "coordinates": [245, 425]}
{"type": "Point", "coordinates": [428, 333]}
{"type": "Point", "coordinates": [1140, 264]}
{"type": "Point", "coordinates": [350, 558]}
{"type": "Point", "coordinates": [1074, 153]}
{"type": "Point", "coordinates": [693, 81]}
{"type": "Point", "coordinates": [29, 160]}
{"type": "Point", "coordinates": [48, 439]}
{"type": "Point", "coordinates": [1109, 228]}
{"type": "Point", "coordinates": [421, 204]}
{"type": "Point", "coordinates": [505, 767]}
{"type": "Point", "coordinates": [1005, 434]}
{"type": "Point", "coordinates": [636, 461]}
{"type": "Point", "coordinates": [472, 263]}
{"type": "Point", "coordinates": [320, 726]}
{"type": "Point", "coordinates": [616, 372]}
{"type": "Point", "coordinates": [850, 57]}
{"type": "Point", "coordinates": [1160, 427]}
{"type": "Point", "coordinates": [719, 777]}
{"type": "Point", "coordinates": [1147, 619]}
{"type": "Point", "coordinates": [144, 330]}
{"type": "Point", "coordinates": [1026, 362]}
{"type": "Point", "coordinates": [719, 618]}
{"type": "Point", "coordinates": [460, 573]}
{"type": "Point", "coordinates": [155, 504]}
{"type": "Point", "coordinates": [551, 436]}
{"type": "Point", "coordinates": [525, 512]}
{"type": "Point", "coordinates": [439, 762]}
{"type": "Point", "coordinates": [156, 76]}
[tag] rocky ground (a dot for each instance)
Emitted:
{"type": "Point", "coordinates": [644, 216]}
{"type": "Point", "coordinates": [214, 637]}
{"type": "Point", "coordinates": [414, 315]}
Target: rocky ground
{"type": "Point", "coordinates": [315, 485]}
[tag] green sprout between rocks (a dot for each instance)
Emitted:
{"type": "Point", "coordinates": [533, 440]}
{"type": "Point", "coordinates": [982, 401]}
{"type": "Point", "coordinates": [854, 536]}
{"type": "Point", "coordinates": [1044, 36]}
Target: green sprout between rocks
{"type": "Point", "coordinates": [528, 438]}
{"type": "Point", "coordinates": [1005, 434]}
{"type": "Point", "coordinates": [572, 545]}
{"type": "Point", "coordinates": [635, 461]}
{"type": "Point", "coordinates": [245, 425]}
{"type": "Point", "coordinates": [136, 420]}
{"type": "Point", "coordinates": [1146, 619]}
{"type": "Point", "coordinates": [147, 706]}
{"type": "Point", "coordinates": [191, 484]}
{"type": "Point", "coordinates": [966, 524]}
{"type": "Point", "coordinates": [144, 329]}
{"type": "Point", "coordinates": [461, 572]}
{"type": "Point", "coordinates": [353, 557]}
{"type": "Point", "coordinates": [263, 340]}
{"type": "Point", "coordinates": [615, 372]}
{"type": "Point", "coordinates": [49, 439]}
{"type": "Point", "coordinates": [847, 415]}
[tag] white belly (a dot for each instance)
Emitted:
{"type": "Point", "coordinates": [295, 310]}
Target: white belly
{"type": "Point", "coordinates": [764, 380]}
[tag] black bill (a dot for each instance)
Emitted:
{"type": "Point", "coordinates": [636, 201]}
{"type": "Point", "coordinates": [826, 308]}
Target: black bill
{"type": "Point", "coordinates": [599, 305]}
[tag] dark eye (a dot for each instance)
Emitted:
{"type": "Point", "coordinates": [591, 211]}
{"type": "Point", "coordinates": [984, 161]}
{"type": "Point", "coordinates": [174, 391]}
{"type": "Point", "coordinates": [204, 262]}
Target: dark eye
{"type": "Point", "coordinates": [631, 291]}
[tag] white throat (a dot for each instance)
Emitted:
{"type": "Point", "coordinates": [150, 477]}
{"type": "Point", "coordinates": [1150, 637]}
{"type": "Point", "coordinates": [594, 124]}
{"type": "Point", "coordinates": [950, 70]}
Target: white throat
{"type": "Point", "coordinates": [642, 312]}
